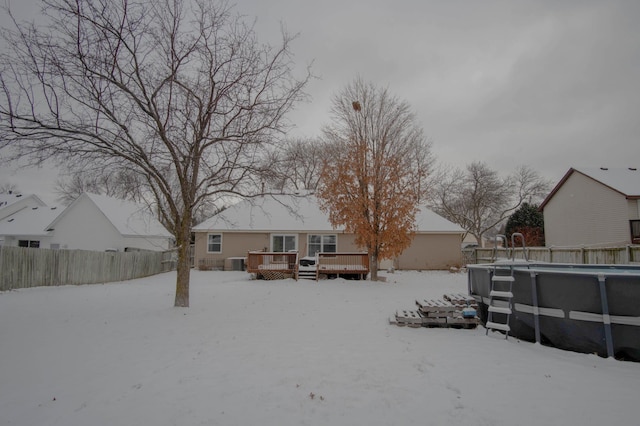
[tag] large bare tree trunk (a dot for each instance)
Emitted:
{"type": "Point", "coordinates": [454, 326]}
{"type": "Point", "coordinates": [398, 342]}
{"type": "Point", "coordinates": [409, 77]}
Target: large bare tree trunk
{"type": "Point", "coordinates": [182, 282]}
{"type": "Point", "coordinates": [184, 265]}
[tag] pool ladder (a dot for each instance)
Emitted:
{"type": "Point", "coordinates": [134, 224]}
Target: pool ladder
{"type": "Point", "coordinates": [501, 292]}
{"type": "Point", "coordinates": [500, 298]}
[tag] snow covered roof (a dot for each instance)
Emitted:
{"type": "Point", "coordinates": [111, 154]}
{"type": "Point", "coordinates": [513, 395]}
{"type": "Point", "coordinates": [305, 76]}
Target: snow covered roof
{"type": "Point", "coordinates": [429, 221]}
{"type": "Point", "coordinates": [129, 218]}
{"type": "Point", "coordinates": [292, 213]}
{"type": "Point", "coordinates": [7, 199]}
{"type": "Point", "coordinates": [626, 181]}
{"type": "Point", "coordinates": [623, 180]}
{"type": "Point", "coordinates": [29, 221]}
{"type": "Point", "coordinates": [270, 213]}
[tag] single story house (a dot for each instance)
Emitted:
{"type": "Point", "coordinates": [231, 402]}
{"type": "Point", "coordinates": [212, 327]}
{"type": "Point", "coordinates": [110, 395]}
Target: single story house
{"type": "Point", "coordinates": [91, 222]}
{"type": "Point", "coordinates": [594, 207]}
{"type": "Point", "coordinates": [287, 223]}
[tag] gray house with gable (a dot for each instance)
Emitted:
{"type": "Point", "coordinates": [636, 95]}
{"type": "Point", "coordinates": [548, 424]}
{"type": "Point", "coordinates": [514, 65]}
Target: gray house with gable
{"type": "Point", "coordinates": [594, 207]}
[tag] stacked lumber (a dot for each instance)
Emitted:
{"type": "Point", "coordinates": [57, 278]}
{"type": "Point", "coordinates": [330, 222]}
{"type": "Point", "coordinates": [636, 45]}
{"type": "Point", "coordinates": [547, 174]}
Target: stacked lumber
{"type": "Point", "coordinates": [453, 311]}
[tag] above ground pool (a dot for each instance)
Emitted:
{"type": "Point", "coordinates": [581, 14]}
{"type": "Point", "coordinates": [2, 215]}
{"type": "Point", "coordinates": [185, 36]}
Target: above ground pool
{"type": "Point", "coordinates": [582, 308]}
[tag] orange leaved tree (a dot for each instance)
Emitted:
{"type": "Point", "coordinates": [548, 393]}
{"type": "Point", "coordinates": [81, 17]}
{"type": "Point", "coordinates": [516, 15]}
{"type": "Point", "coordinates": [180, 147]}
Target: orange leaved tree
{"type": "Point", "coordinates": [374, 170]}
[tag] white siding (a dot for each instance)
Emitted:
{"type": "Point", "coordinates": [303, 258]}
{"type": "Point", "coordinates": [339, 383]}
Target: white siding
{"type": "Point", "coordinates": [634, 209]}
{"type": "Point", "coordinates": [13, 240]}
{"type": "Point", "coordinates": [84, 227]}
{"type": "Point", "coordinates": [585, 212]}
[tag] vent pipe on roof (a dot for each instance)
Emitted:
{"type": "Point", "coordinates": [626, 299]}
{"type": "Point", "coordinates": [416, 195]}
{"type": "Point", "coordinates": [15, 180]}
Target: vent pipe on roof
{"type": "Point", "coordinates": [633, 169]}
{"type": "Point", "coordinates": [604, 168]}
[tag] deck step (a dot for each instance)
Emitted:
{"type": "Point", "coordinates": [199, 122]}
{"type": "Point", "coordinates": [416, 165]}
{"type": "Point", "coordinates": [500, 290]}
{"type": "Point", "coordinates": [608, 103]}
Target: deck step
{"type": "Point", "coordinates": [498, 326]}
{"type": "Point", "coordinates": [500, 310]}
{"type": "Point", "coordinates": [503, 294]}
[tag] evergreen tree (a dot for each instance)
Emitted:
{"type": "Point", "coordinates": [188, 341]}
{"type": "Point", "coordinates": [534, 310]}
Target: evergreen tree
{"type": "Point", "coordinates": [529, 221]}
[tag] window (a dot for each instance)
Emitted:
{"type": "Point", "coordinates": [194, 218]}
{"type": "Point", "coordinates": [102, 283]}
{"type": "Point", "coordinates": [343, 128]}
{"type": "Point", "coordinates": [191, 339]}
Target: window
{"type": "Point", "coordinates": [283, 243]}
{"type": "Point", "coordinates": [214, 243]}
{"type": "Point", "coordinates": [635, 231]}
{"type": "Point", "coordinates": [28, 243]}
{"type": "Point", "coordinates": [322, 243]}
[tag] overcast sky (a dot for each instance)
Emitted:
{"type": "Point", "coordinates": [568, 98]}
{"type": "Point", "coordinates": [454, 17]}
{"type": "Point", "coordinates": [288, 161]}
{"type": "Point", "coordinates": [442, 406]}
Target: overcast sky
{"type": "Point", "coordinates": [549, 84]}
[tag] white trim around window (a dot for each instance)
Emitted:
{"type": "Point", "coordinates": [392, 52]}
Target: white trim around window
{"type": "Point", "coordinates": [324, 243]}
{"type": "Point", "coordinates": [284, 242]}
{"type": "Point", "coordinates": [214, 243]}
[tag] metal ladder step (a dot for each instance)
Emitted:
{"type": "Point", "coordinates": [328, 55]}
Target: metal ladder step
{"type": "Point", "coordinates": [503, 278]}
{"type": "Point", "coordinates": [500, 310]}
{"type": "Point", "coordinates": [503, 294]}
{"type": "Point", "coordinates": [498, 326]}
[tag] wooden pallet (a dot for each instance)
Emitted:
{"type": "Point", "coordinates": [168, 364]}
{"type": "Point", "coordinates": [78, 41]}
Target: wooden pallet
{"type": "Point", "coordinates": [408, 318]}
{"type": "Point", "coordinates": [434, 322]}
{"type": "Point", "coordinates": [435, 308]}
{"type": "Point", "coordinates": [438, 313]}
{"type": "Point", "coordinates": [461, 300]}
{"type": "Point", "coordinates": [461, 322]}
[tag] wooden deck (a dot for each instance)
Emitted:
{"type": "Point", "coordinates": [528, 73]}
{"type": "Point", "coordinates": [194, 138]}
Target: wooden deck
{"type": "Point", "coordinates": [272, 266]}
{"type": "Point", "coordinates": [354, 264]}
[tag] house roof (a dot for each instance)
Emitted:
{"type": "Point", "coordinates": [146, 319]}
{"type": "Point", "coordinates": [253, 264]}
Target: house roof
{"type": "Point", "coordinates": [293, 213]}
{"type": "Point", "coordinates": [7, 199]}
{"type": "Point", "coordinates": [29, 221]}
{"type": "Point", "coordinates": [626, 181]}
{"type": "Point", "coordinates": [129, 218]}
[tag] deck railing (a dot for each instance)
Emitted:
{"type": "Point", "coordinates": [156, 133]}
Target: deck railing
{"type": "Point", "coordinates": [342, 264]}
{"type": "Point", "coordinates": [272, 265]}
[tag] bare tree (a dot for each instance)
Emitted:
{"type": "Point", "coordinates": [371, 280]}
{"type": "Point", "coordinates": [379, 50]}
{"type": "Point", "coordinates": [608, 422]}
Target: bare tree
{"type": "Point", "coordinates": [478, 199]}
{"type": "Point", "coordinates": [120, 184]}
{"type": "Point", "coordinates": [375, 169]}
{"type": "Point", "coordinates": [8, 187]}
{"type": "Point", "coordinates": [297, 165]}
{"type": "Point", "coordinates": [179, 92]}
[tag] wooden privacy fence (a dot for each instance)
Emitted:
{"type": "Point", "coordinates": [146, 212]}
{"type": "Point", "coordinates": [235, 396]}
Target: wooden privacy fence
{"type": "Point", "coordinates": [33, 267]}
{"type": "Point", "coordinates": [583, 255]}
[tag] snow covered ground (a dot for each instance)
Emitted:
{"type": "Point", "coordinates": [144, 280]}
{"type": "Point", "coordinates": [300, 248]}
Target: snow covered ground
{"type": "Point", "coordinates": [284, 353]}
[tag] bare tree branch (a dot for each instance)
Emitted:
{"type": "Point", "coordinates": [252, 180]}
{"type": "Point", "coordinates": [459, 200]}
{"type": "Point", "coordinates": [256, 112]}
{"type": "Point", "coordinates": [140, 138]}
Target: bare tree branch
{"type": "Point", "coordinates": [181, 93]}
{"type": "Point", "coordinates": [478, 199]}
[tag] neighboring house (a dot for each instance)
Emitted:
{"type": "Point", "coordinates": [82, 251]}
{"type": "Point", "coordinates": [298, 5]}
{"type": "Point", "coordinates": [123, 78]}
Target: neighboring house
{"type": "Point", "coordinates": [12, 202]}
{"type": "Point", "coordinates": [91, 222]}
{"type": "Point", "coordinates": [287, 223]}
{"type": "Point", "coordinates": [27, 227]}
{"type": "Point", "coordinates": [594, 207]}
